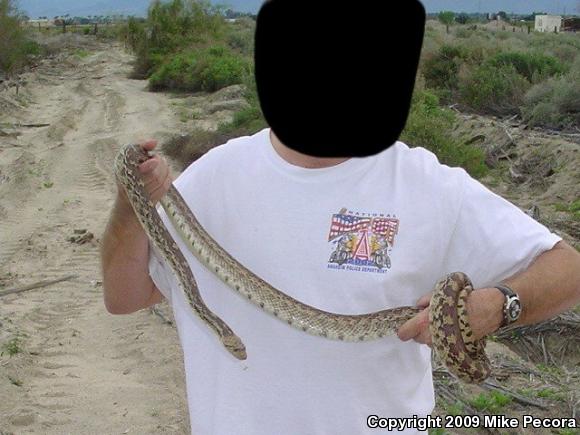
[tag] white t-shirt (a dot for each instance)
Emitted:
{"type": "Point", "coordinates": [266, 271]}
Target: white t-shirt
{"type": "Point", "coordinates": [361, 236]}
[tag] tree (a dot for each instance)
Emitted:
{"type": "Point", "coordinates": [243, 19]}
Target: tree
{"type": "Point", "coordinates": [447, 18]}
{"type": "Point", "coordinates": [463, 18]}
{"type": "Point", "coordinates": [503, 15]}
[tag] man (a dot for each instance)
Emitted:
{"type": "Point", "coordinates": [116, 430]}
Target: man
{"type": "Point", "coordinates": [280, 213]}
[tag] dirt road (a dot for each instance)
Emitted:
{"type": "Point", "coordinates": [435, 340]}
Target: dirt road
{"type": "Point", "coordinates": [67, 366]}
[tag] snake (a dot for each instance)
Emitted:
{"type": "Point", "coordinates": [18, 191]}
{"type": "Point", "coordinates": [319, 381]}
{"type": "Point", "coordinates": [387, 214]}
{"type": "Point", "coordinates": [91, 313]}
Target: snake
{"type": "Point", "coordinates": [452, 337]}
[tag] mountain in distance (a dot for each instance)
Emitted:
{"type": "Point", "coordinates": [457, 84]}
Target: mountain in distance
{"type": "Point", "coordinates": [51, 8]}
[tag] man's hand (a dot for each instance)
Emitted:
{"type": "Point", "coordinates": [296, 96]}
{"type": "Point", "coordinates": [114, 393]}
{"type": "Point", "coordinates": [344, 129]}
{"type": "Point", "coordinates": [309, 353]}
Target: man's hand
{"type": "Point", "coordinates": [155, 173]}
{"type": "Point", "coordinates": [417, 328]}
{"type": "Point", "coordinates": [484, 310]}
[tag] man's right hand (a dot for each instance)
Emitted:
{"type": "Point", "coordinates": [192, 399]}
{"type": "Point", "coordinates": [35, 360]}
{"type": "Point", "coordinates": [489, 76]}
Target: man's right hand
{"type": "Point", "coordinates": [155, 174]}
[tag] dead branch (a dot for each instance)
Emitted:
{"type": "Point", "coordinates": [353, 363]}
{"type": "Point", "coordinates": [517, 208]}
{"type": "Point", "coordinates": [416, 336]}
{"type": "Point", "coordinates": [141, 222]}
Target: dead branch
{"type": "Point", "coordinates": [516, 176]}
{"type": "Point", "coordinates": [35, 285]}
{"type": "Point", "coordinates": [31, 125]}
{"type": "Point", "coordinates": [568, 323]}
{"type": "Point", "coordinates": [510, 137]}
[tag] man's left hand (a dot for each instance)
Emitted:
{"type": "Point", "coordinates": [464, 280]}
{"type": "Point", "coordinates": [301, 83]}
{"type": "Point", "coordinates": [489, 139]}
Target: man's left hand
{"type": "Point", "coordinates": [484, 311]}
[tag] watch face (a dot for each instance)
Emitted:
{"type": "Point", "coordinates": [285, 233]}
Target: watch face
{"type": "Point", "coordinates": [514, 310]}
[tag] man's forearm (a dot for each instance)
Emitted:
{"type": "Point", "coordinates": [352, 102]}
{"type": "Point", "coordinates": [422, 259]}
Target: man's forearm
{"type": "Point", "coordinates": [124, 255]}
{"type": "Point", "coordinates": [550, 285]}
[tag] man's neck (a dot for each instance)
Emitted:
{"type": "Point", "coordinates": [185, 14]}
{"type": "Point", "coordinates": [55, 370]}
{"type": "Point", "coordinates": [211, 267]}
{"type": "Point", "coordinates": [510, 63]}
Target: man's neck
{"type": "Point", "coordinates": [303, 160]}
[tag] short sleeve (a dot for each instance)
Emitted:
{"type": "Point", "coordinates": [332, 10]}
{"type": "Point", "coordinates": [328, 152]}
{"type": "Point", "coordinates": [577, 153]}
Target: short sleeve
{"type": "Point", "coordinates": [493, 239]}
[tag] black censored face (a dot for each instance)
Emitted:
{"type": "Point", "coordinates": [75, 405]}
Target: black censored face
{"type": "Point", "coordinates": [335, 81]}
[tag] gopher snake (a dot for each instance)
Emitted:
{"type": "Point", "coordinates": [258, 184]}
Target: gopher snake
{"type": "Point", "coordinates": [451, 335]}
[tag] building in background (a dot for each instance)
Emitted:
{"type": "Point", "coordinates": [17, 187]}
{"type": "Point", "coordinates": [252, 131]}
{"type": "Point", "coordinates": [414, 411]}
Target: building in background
{"type": "Point", "coordinates": [548, 23]}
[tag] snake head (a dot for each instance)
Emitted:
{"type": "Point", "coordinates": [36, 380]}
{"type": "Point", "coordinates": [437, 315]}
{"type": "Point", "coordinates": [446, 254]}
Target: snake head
{"type": "Point", "coordinates": [235, 346]}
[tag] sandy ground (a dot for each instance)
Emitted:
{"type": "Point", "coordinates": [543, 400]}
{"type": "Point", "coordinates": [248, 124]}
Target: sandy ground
{"type": "Point", "coordinates": [78, 369]}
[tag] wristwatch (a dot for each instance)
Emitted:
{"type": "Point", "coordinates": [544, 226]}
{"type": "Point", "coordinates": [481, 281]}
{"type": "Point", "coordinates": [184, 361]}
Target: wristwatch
{"type": "Point", "coordinates": [512, 307]}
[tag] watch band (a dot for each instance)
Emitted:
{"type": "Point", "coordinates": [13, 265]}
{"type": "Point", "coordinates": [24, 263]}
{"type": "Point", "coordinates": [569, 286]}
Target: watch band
{"type": "Point", "coordinates": [511, 297]}
{"type": "Point", "coordinates": [507, 291]}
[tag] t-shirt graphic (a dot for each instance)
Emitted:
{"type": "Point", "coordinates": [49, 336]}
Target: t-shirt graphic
{"type": "Point", "coordinates": [362, 241]}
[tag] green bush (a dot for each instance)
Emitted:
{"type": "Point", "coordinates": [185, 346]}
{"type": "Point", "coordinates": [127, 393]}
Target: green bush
{"type": "Point", "coordinates": [441, 71]}
{"type": "Point", "coordinates": [496, 90]}
{"type": "Point", "coordinates": [219, 68]}
{"type": "Point", "coordinates": [240, 36]}
{"type": "Point", "coordinates": [534, 67]}
{"type": "Point", "coordinates": [208, 70]}
{"type": "Point", "coordinates": [429, 126]}
{"type": "Point", "coordinates": [182, 46]}
{"type": "Point", "coordinates": [554, 103]}
{"type": "Point", "coordinates": [170, 27]}
{"type": "Point", "coordinates": [463, 32]}
{"type": "Point", "coordinates": [15, 47]}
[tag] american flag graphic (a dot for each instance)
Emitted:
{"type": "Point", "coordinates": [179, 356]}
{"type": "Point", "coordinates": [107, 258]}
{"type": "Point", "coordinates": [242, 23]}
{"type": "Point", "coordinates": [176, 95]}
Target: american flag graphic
{"type": "Point", "coordinates": [381, 226]}
{"type": "Point", "coordinates": [386, 227]}
{"type": "Point", "coordinates": [344, 223]}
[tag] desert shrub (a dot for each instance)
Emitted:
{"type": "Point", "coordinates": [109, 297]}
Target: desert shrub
{"type": "Point", "coordinates": [208, 70]}
{"type": "Point", "coordinates": [430, 126]}
{"type": "Point", "coordinates": [497, 90]}
{"type": "Point", "coordinates": [219, 67]}
{"type": "Point", "coordinates": [240, 36]}
{"type": "Point", "coordinates": [15, 46]}
{"type": "Point", "coordinates": [565, 53]}
{"type": "Point", "coordinates": [441, 70]}
{"type": "Point", "coordinates": [554, 103]}
{"type": "Point", "coordinates": [462, 32]}
{"type": "Point", "coordinates": [109, 32]}
{"type": "Point", "coordinates": [133, 33]}
{"type": "Point", "coordinates": [172, 28]}
{"type": "Point", "coordinates": [544, 42]}
{"type": "Point", "coordinates": [534, 66]}
{"type": "Point", "coordinates": [176, 73]}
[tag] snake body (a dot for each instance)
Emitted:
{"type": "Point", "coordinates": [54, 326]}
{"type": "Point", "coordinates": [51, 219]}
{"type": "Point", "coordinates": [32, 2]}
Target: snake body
{"type": "Point", "coordinates": [451, 334]}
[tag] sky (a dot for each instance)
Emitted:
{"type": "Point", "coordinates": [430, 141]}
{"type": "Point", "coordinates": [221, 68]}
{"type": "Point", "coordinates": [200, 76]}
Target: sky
{"type": "Point", "coordinates": [35, 8]}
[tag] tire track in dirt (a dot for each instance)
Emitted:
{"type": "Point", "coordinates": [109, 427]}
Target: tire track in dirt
{"type": "Point", "coordinates": [81, 370]}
